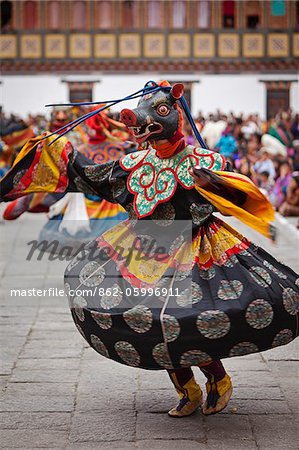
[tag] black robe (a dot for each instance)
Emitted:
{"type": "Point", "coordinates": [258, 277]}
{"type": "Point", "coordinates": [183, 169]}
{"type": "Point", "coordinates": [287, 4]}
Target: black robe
{"type": "Point", "coordinates": [174, 286]}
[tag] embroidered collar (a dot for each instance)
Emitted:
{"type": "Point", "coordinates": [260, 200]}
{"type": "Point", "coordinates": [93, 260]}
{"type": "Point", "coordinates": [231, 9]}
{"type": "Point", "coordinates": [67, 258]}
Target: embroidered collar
{"type": "Point", "coordinates": [153, 180]}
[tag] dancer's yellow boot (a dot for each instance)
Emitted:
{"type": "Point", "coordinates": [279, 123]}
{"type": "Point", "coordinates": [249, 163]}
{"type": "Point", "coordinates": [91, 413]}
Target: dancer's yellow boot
{"type": "Point", "coordinates": [191, 397]}
{"type": "Point", "coordinates": [218, 395]}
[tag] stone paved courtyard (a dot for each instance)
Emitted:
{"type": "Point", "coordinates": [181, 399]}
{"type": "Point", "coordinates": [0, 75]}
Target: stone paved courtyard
{"type": "Point", "coordinates": [58, 393]}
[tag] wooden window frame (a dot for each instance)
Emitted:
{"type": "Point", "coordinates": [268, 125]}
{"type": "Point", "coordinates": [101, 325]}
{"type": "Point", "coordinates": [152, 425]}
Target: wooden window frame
{"type": "Point", "coordinates": [170, 12]}
{"type": "Point", "coordinates": [88, 17]}
{"type": "Point", "coordinates": [38, 15]}
{"type": "Point", "coordinates": [145, 16]}
{"type": "Point", "coordinates": [237, 15]}
{"type": "Point", "coordinates": [120, 13]}
{"type": "Point", "coordinates": [193, 15]}
{"type": "Point", "coordinates": [94, 15]}
{"type": "Point", "coordinates": [279, 27]}
{"type": "Point", "coordinates": [61, 18]}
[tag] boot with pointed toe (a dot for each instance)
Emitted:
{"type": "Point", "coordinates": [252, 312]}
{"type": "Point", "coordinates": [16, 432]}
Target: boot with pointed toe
{"type": "Point", "coordinates": [218, 395]}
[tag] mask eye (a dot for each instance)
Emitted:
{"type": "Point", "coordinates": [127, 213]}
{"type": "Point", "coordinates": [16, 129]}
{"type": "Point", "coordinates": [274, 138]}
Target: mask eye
{"type": "Point", "coordinates": [163, 110]}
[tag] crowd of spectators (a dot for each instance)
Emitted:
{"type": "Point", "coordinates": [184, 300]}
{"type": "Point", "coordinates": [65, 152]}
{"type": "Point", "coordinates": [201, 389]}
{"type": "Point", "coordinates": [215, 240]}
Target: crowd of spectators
{"type": "Point", "coordinates": [265, 151]}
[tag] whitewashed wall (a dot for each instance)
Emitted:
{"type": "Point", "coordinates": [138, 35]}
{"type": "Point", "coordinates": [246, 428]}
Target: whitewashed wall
{"type": "Point", "coordinates": [25, 94]}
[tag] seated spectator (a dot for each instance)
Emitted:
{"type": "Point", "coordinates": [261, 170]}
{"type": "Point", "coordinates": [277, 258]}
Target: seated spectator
{"type": "Point", "coordinates": [279, 191]}
{"type": "Point", "coordinates": [252, 147]}
{"type": "Point", "coordinates": [290, 207]}
{"type": "Point", "coordinates": [264, 164]}
{"type": "Point", "coordinates": [244, 167]}
{"type": "Point", "coordinates": [265, 183]}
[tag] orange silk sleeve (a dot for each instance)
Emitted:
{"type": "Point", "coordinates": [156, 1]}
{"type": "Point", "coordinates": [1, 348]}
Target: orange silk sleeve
{"type": "Point", "coordinates": [256, 211]}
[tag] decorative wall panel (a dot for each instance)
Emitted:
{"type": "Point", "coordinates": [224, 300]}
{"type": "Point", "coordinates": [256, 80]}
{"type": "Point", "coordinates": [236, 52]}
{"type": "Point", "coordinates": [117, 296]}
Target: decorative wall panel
{"type": "Point", "coordinates": [179, 45]}
{"type": "Point", "coordinates": [278, 45]}
{"type": "Point", "coordinates": [154, 45]}
{"type": "Point", "coordinates": [228, 45]}
{"type": "Point", "coordinates": [253, 45]}
{"type": "Point", "coordinates": [31, 46]}
{"type": "Point", "coordinates": [8, 46]}
{"type": "Point", "coordinates": [55, 46]}
{"type": "Point", "coordinates": [296, 44]}
{"type": "Point", "coordinates": [204, 45]}
{"type": "Point", "coordinates": [105, 46]}
{"type": "Point", "coordinates": [80, 46]}
{"type": "Point", "coordinates": [129, 45]}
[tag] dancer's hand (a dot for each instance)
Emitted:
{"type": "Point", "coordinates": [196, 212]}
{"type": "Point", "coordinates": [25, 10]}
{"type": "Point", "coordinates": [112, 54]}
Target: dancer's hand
{"type": "Point", "coordinates": [198, 178]}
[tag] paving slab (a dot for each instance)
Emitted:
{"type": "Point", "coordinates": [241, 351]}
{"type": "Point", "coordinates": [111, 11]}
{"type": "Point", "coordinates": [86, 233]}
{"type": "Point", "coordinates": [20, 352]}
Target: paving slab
{"type": "Point", "coordinates": [104, 427]}
{"type": "Point", "coordinates": [41, 389]}
{"type": "Point", "coordinates": [253, 406]}
{"type": "Point", "coordinates": [35, 421]}
{"type": "Point", "coordinates": [33, 439]}
{"type": "Point", "coordinates": [37, 403]}
{"type": "Point", "coordinates": [281, 433]}
{"type": "Point", "coordinates": [228, 427]}
{"type": "Point", "coordinates": [178, 444]}
{"type": "Point", "coordinates": [164, 427]}
{"type": "Point", "coordinates": [232, 444]}
{"type": "Point", "coordinates": [43, 375]}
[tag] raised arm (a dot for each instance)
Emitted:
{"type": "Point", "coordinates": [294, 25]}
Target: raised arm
{"type": "Point", "coordinates": [58, 168]}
